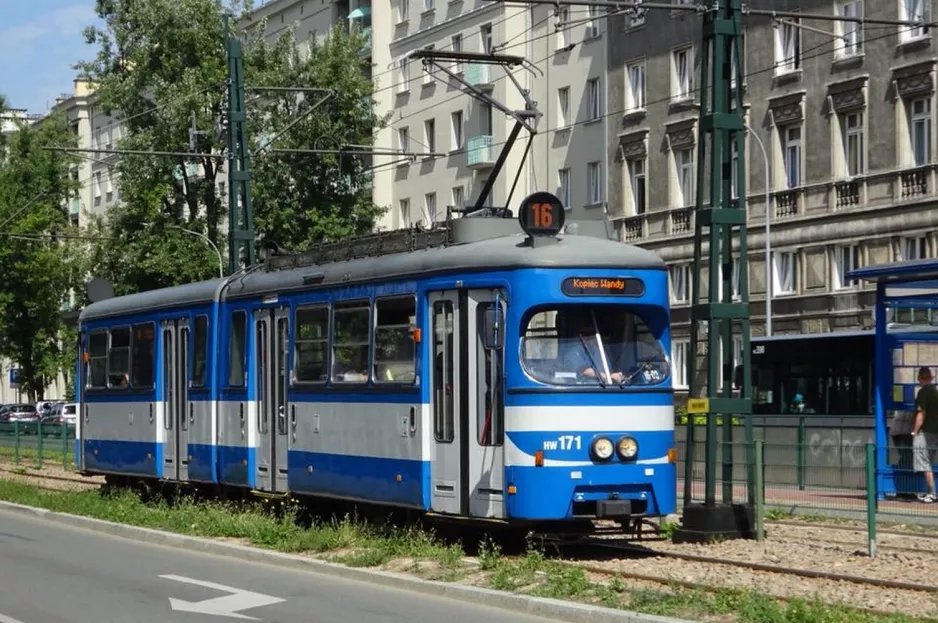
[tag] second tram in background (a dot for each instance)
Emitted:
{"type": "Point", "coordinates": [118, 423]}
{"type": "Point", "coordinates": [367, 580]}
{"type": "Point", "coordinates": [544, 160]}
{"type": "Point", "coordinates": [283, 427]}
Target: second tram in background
{"type": "Point", "coordinates": [471, 370]}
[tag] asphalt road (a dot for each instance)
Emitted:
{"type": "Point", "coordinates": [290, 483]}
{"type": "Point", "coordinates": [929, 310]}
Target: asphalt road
{"type": "Point", "coordinates": [56, 574]}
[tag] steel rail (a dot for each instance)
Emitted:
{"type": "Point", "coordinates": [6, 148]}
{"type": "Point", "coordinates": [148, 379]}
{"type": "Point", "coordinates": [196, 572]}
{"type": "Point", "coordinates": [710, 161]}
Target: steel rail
{"type": "Point", "coordinates": [755, 566]}
{"type": "Point", "coordinates": [797, 524]}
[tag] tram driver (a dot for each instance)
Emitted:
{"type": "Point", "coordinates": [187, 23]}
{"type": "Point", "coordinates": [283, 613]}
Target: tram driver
{"type": "Point", "coordinates": [582, 353]}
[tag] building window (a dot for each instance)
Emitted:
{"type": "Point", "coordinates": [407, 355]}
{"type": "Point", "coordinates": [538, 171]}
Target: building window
{"type": "Point", "coordinates": [427, 5]}
{"type": "Point", "coordinates": [595, 180]}
{"type": "Point", "coordinates": [456, 46]}
{"type": "Point", "coordinates": [682, 71]}
{"type": "Point", "coordinates": [914, 11]}
{"type": "Point", "coordinates": [458, 198]}
{"type": "Point", "coordinates": [403, 139]}
{"type": "Point", "coordinates": [787, 47]}
{"type": "Point", "coordinates": [783, 273]}
{"type": "Point", "coordinates": [734, 173]}
{"type": "Point", "coordinates": [485, 119]}
{"type": "Point", "coordinates": [403, 84]}
{"type": "Point", "coordinates": [920, 130]}
{"type": "Point", "coordinates": [635, 89]}
{"type": "Point", "coordinates": [563, 19]}
{"type": "Point", "coordinates": [637, 190]}
{"type": "Point", "coordinates": [734, 64]}
{"type": "Point", "coordinates": [402, 12]}
{"type": "Point", "coordinates": [485, 33]}
{"type": "Point", "coordinates": [456, 122]}
{"type": "Point", "coordinates": [563, 187]}
{"type": "Point", "coordinates": [563, 107]}
{"type": "Point", "coordinates": [429, 133]}
{"type": "Point", "coordinates": [850, 33]}
{"type": "Point", "coordinates": [96, 186]}
{"type": "Point", "coordinates": [684, 161]}
{"type": "Point", "coordinates": [792, 149]}
{"type": "Point", "coordinates": [429, 201]}
{"type": "Point", "coordinates": [592, 102]}
{"type": "Point", "coordinates": [405, 212]}
{"type": "Point", "coordinates": [853, 143]}
{"type": "Point", "coordinates": [637, 17]}
{"type": "Point", "coordinates": [846, 258]}
{"type": "Point", "coordinates": [914, 248]}
{"type": "Point", "coordinates": [679, 349]}
{"type": "Point", "coordinates": [592, 26]}
{"type": "Point", "coordinates": [428, 69]}
{"type": "Point", "coordinates": [680, 283]}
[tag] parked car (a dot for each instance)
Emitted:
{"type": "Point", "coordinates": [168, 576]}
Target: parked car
{"type": "Point", "coordinates": [58, 415]}
{"type": "Point", "coordinates": [22, 413]}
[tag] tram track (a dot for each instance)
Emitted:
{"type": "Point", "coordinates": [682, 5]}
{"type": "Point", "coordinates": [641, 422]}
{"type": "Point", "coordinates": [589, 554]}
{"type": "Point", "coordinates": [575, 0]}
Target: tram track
{"type": "Point", "coordinates": [645, 552]}
{"type": "Point", "coordinates": [861, 530]}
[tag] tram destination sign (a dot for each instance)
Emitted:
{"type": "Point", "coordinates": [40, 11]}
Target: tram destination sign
{"type": "Point", "coordinates": [602, 286]}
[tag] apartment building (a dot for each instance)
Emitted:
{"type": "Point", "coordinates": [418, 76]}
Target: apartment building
{"type": "Point", "coordinates": [443, 142]}
{"type": "Point", "coordinates": [845, 114]}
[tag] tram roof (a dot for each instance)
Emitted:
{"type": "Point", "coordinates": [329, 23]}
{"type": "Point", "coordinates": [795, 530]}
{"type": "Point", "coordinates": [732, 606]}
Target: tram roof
{"type": "Point", "coordinates": [507, 252]}
{"type": "Point", "coordinates": [897, 272]}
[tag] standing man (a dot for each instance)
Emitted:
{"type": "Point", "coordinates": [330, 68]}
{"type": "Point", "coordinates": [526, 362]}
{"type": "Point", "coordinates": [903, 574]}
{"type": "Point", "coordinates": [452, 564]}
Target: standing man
{"type": "Point", "coordinates": [925, 430]}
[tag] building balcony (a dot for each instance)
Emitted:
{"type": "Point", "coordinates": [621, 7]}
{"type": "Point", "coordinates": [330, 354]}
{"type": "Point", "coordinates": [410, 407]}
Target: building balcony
{"type": "Point", "coordinates": [477, 74]}
{"type": "Point", "coordinates": [74, 206]}
{"type": "Point", "coordinates": [479, 152]}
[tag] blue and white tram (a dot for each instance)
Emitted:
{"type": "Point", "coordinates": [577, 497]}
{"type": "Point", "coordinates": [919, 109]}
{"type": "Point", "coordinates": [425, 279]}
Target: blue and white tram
{"type": "Point", "coordinates": [494, 378]}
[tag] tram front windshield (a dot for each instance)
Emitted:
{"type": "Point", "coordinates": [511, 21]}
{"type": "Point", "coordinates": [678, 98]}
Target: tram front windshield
{"type": "Point", "coordinates": [592, 345]}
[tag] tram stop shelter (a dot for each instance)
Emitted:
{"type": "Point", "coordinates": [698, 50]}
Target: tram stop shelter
{"type": "Point", "coordinates": [906, 338]}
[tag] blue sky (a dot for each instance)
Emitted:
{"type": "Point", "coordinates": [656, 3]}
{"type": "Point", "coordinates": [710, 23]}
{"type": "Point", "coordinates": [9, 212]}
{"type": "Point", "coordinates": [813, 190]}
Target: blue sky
{"type": "Point", "coordinates": [40, 40]}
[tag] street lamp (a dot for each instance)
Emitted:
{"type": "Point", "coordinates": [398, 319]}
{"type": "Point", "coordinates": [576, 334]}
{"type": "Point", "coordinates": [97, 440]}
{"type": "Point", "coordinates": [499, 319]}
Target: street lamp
{"type": "Point", "coordinates": [221, 269]}
{"type": "Point", "coordinates": [768, 242]}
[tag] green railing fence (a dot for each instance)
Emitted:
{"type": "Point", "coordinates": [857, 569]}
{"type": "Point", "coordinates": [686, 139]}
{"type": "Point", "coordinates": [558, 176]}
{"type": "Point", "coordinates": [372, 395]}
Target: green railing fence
{"type": "Point", "coordinates": [37, 442]}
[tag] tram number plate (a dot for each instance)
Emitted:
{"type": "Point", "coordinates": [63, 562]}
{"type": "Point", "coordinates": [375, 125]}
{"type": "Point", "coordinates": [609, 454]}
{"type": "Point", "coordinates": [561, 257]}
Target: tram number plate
{"type": "Point", "coordinates": [564, 442]}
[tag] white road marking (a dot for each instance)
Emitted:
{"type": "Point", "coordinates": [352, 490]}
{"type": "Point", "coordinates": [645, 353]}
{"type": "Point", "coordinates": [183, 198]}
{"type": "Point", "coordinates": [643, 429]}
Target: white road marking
{"type": "Point", "coordinates": [227, 606]}
{"type": "Point", "coordinates": [6, 619]}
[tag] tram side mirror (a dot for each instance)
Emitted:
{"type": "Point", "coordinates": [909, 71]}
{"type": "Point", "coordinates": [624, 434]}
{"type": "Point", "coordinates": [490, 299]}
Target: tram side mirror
{"type": "Point", "coordinates": [493, 327]}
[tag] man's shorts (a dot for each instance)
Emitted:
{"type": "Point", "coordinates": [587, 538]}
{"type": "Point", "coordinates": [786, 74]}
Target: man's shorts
{"type": "Point", "coordinates": [923, 451]}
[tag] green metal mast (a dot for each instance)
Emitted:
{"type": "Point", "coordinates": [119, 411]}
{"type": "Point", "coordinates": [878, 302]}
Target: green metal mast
{"type": "Point", "coordinates": [721, 125]}
{"type": "Point", "coordinates": [241, 250]}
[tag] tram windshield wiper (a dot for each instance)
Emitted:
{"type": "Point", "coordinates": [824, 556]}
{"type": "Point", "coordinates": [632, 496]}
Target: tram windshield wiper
{"type": "Point", "coordinates": [599, 375]}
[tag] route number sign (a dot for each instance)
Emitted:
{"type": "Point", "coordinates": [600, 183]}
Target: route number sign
{"type": "Point", "coordinates": [541, 214]}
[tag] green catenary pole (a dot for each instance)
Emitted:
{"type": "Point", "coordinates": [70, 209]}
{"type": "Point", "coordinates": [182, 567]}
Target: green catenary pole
{"type": "Point", "coordinates": [240, 211]}
{"type": "Point", "coordinates": [722, 125]}
{"type": "Point", "coordinates": [760, 495]}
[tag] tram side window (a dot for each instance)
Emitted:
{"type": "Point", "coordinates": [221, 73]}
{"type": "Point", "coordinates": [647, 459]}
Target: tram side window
{"type": "Point", "coordinates": [200, 352]}
{"type": "Point", "coordinates": [491, 414]}
{"type": "Point", "coordinates": [97, 360]}
{"type": "Point", "coordinates": [118, 358]}
{"type": "Point", "coordinates": [394, 342]}
{"type": "Point", "coordinates": [236, 350]}
{"type": "Point", "coordinates": [143, 356]}
{"type": "Point", "coordinates": [311, 344]}
{"type": "Point", "coordinates": [350, 342]}
{"type": "Point", "coordinates": [444, 367]}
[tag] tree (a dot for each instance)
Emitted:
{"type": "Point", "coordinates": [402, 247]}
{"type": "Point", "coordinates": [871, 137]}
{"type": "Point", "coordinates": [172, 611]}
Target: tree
{"type": "Point", "coordinates": [161, 61]}
{"type": "Point", "coordinates": [41, 261]}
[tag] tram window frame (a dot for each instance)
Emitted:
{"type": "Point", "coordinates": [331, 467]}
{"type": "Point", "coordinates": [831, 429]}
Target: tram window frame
{"type": "Point", "coordinates": [233, 338]}
{"type": "Point", "coordinates": [90, 379]}
{"type": "Point", "coordinates": [483, 357]}
{"type": "Point", "coordinates": [198, 382]}
{"type": "Point", "coordinates": [444, 411]}
{"type": "Point", "coordinates": [125, 373]}
{"type": "Point", "coordinates": [348, 307]}
{"type": "Point", "coordinates": [135, 361]}
{"type": "Point", "coordinates": [411, 327]}
{"type": "Point", "coordinates": [326, 341]}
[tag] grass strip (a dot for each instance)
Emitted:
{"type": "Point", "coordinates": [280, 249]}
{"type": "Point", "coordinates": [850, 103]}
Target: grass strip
{"type": "Point", "coordinates": [358, 544]}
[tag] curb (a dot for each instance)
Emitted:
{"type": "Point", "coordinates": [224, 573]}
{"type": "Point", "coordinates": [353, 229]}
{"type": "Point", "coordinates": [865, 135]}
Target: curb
{"type": "Point", "coordinates": [537, 606]}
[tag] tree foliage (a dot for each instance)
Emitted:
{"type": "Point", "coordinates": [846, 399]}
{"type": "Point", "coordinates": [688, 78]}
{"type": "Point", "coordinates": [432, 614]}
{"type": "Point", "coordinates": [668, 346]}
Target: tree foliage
{"type": "Point", "coordinates": [40, 258]}
{"type": "Point", "coordinates": [159, 62]}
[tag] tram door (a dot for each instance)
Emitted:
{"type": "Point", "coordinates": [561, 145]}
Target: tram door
{"type": "Point", "coordinates": [271, 343]}
{"type": "Point", "coordinates": [467, 405]}
{"type": "Point", "coordinates": [177, 409]}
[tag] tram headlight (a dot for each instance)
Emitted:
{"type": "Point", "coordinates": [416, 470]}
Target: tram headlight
{"type": "Point", "coordinates": [627, 448]}
{"type": "Point", "coordinates": [603, 448]}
